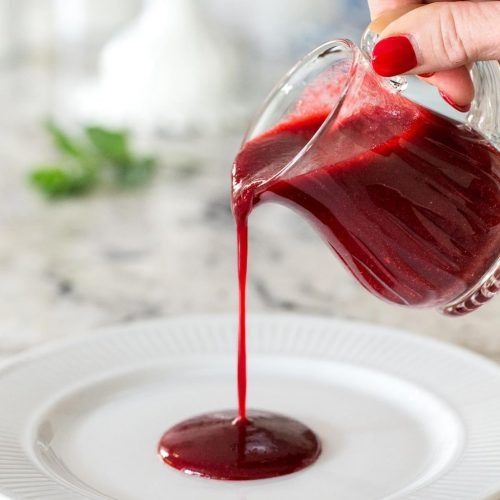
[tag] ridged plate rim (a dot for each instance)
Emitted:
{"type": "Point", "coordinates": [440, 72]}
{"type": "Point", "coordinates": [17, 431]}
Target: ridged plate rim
{"type": "Point", "coordinates": [467, 382]}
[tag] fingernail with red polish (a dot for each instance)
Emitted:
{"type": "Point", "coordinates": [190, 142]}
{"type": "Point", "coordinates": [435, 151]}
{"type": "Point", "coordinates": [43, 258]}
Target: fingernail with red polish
{"type": "Point", "coordinates": [452, 103]}
{"type": "Point", "coordinates": [427, 75]}
{"type": "Point", "coordinates": [393, 55]}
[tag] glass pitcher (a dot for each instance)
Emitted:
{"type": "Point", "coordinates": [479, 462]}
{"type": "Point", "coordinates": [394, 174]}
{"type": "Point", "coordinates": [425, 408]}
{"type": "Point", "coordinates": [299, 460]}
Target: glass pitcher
{"type": "Point", "coordinates": [407, 198]}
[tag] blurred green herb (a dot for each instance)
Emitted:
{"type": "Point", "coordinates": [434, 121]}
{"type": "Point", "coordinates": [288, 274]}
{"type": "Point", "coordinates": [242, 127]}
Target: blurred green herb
{"type": "Point", "coordinates": [100, 156]}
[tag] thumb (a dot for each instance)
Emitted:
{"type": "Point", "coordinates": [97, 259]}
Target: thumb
{"type": "Point", "coordinates": [439, 36]}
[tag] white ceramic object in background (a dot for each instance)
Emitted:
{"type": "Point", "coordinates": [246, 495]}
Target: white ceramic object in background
{"type": "Point", "coordinates": [400, 417]}
{"type": "Point", "coordinates": [167, 70]}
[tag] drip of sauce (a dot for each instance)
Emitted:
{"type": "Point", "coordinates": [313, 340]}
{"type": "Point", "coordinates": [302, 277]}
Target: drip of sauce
{"type": "Point", "coordinates": [242, 246]}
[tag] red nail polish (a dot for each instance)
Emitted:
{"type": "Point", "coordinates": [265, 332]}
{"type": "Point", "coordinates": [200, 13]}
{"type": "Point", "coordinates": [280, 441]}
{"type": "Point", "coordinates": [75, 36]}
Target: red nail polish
{"type": "Point", "coordinates": [393, 55]}
{"type": "Point", "coordinates": [452, 103]}
{"type": "Point", "coordinates": [427, 75]}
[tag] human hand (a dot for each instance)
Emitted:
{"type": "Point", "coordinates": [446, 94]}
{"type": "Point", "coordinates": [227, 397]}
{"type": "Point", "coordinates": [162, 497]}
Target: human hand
{"type": "Point", "coordinates": [437, 41]}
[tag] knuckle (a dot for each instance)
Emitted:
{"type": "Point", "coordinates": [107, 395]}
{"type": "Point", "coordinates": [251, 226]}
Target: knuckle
{"type": "Point", "coordinates": [451, 36]}
{"type": "Point", "coordinates": [487, 22]}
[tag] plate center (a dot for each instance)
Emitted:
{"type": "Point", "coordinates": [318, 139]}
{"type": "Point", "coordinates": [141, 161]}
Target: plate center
{"type": "Point", "coordinates": [380, 435]}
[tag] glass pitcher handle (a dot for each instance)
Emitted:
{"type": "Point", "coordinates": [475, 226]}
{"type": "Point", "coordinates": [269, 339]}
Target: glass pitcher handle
{"type": "Point", "coordinates": [368, 41]}
{"type": "Point", "coordinates": [484, 115]}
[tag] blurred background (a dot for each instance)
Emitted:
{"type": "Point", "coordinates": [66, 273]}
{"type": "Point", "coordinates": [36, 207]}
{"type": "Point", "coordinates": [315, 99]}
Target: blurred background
{"type": "Point", "coordinates": [182, 77]}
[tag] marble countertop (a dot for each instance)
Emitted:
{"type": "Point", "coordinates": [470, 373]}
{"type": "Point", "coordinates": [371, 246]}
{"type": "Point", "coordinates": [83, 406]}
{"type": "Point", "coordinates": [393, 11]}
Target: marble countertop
{"type": "Point", "coordinates": [69, 267]}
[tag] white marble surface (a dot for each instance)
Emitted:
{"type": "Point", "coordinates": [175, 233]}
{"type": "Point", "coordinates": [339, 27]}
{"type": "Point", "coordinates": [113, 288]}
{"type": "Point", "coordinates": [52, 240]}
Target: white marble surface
{"type": "Point", "coordinates": [69, 267]}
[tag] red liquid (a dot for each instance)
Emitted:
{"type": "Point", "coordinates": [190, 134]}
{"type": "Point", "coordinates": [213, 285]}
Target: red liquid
{"type": "Point", "coordinates": [218, 446]}
{"type": "Point", "coordinates": [415, 217]}
{"type": "Point", "coordinates": [242, 238]}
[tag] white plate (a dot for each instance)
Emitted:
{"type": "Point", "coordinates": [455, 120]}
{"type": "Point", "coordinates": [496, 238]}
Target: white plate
{"type": "Point", "coordinates": [399, 416]}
